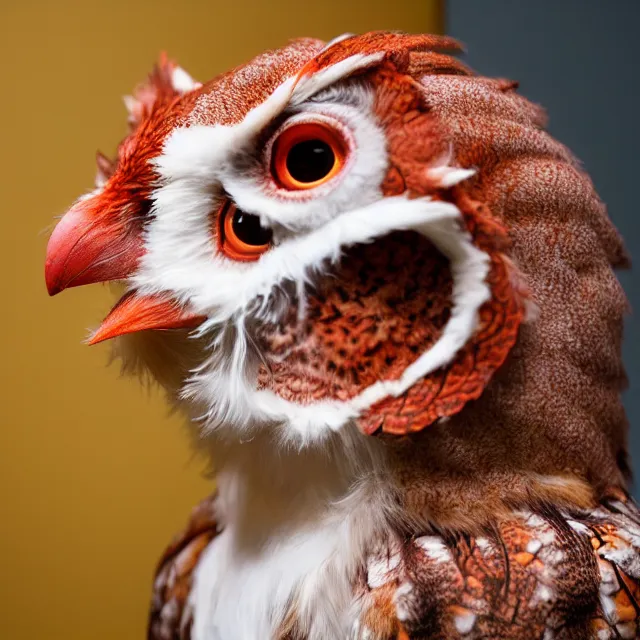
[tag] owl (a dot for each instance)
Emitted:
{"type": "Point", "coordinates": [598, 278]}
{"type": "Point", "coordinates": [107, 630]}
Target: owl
{"type": "Point", "coordinates": [384, 299]}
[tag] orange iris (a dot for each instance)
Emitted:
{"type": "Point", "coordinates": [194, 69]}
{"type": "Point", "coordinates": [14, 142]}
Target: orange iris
{"type": "Point", "coordinates": [240, 235]}
{"type": "Point", "coordinates": [307, 155]}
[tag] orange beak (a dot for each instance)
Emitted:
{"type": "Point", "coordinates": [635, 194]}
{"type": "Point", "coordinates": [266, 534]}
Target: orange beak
{"type": "Point", "coordinates": [92, 244]}
{"type": "Point", "coordinates": [134, 312]}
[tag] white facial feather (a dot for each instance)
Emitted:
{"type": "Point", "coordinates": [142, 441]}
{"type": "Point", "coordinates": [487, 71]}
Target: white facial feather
{"type": "Point", "coordinates": [310, 85]}
{"type": "Point", "coordinates": [356, 185]}
{"type": "Point", "coordinates": [201, 162]}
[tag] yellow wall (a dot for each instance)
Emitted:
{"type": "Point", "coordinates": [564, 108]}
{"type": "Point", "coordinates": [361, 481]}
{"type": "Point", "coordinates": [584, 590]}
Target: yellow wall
{"type": "Point", "coordinates": [94, 476]}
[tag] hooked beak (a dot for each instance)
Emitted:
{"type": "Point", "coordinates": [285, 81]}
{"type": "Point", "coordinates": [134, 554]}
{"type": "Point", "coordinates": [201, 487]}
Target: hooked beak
{"type": "Point", "coordinates": [87, 247]}
{"type": "Point", "coordinates": [92, 245]}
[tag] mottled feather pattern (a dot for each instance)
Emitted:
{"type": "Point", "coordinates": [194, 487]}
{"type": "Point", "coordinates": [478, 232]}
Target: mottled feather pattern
{"type": "Point", "coordinates": [170, 617]}
{"type": "Point", "coordinates": [535, 575]}
{"type": "Point", "coordinates": [544, 574]}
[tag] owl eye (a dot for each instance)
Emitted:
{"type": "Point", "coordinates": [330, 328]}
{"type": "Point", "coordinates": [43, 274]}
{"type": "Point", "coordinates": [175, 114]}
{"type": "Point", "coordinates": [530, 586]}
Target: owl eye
{"type": "Point", "coordinates": [240, 234]}
{"type": "Point", "coordinates": [307, 155]}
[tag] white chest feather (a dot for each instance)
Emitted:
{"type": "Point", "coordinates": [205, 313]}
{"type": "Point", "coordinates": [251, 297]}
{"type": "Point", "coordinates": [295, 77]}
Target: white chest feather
{"type": "Point", "coordinates": [296, 527]}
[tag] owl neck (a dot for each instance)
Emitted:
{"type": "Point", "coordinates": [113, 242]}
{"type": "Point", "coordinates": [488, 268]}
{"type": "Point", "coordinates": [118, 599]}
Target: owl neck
{"type": "Point", "coordinates": [266, 489]}
{"type": "Point", "coordinates": [296, 526]}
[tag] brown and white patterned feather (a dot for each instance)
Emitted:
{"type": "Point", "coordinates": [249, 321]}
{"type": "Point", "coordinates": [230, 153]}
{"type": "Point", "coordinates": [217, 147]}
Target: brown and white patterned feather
{"type": "Point", "coordinates": [535, 574]}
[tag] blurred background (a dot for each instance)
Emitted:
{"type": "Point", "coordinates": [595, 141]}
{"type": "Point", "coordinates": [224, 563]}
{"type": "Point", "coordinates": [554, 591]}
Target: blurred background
{"type": "Point", "coordinates": [95, 477]}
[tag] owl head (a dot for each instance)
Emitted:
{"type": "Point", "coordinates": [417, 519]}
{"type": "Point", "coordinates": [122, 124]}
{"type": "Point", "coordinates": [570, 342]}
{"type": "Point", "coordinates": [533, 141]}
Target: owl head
{"type": "Point", "coordinates": [356, 232]}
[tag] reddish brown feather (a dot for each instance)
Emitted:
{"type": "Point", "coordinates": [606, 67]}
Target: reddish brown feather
{"type": "Point", "coordinates": [492, 581]}
{"type": "Point", "coordinates": [396, 48]}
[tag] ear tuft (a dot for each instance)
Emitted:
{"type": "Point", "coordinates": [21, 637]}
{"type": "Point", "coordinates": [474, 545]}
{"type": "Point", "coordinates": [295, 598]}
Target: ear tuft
{"type": "Point", "coordinates": [166, 82]}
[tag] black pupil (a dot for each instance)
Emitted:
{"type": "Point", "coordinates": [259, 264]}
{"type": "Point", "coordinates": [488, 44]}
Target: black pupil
{"type": "Point", "coordinates": [310, 160]}
{"type": "Point", "coordinates": [247, 228]}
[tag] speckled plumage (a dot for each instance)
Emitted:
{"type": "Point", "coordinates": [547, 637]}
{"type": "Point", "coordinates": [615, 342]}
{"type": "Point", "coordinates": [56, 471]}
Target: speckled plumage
{"type": "Point", "coordinates": [547, 574]}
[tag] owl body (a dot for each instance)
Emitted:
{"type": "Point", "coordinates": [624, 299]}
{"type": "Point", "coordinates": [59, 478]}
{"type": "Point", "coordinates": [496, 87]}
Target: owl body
{"type": "Point", "coordinates": [385, 298]}
{"type": "Point", "coordinates": [534, 575]}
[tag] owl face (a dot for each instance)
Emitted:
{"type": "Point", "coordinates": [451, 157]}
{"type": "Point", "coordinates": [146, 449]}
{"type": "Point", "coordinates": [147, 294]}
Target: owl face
{"type": "Point", "coordinates": [303, 216]}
